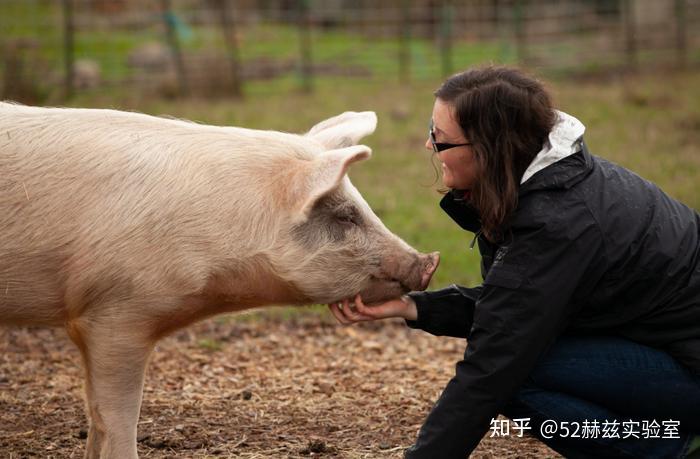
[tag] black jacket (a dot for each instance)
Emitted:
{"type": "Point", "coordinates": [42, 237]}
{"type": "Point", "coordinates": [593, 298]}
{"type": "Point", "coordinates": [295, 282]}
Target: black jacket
{"type": "Point", "coordinates": [593, 248]}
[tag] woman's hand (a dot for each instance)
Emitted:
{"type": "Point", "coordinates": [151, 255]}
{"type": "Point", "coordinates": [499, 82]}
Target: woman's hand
{"type": "Point", "coordinates": [349, 313]}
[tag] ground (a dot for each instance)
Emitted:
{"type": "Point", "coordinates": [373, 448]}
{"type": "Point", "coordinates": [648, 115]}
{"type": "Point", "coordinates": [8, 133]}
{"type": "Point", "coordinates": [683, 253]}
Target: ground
{"type": "Point", "coordinates": [262, 386]}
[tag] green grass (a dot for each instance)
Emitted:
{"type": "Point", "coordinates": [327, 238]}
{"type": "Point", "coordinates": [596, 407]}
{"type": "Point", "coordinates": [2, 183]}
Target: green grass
{"type": "Point", "coordinates": [650, 124]}
{"type": "Point", "coordinates": [40, 21]}
{"type": "Point", "coordinates": [209, 344]}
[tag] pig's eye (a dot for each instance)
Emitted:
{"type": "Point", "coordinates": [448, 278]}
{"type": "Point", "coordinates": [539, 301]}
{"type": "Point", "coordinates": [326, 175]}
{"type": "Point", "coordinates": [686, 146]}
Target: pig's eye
{"type": "Point", "coordinates": [347, 217]}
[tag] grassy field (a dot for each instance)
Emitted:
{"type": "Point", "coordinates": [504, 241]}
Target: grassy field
{"type": "Point", "coordinates": [40, 24]}
{"type": "Point", "coordinates": [650, 124]}
{"type": "Point", "coordinates": [369, 48]}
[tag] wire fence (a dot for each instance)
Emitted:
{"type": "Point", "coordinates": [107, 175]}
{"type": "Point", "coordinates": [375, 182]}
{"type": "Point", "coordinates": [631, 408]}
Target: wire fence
{"type": "Point", "coordinates": [57, 48]}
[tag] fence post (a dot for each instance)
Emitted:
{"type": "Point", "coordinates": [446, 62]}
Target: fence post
{"type": "Point", "coordinates": [304, 22]}
{"type": "Point", "coordinates": [405, 42]}
{"type": "Point", "coordinates": [681, 41]}
{"type": "Point", "coordinates": [520, 26]}
{"type": "Point", "coordinates": [68, 47]}
{"type": "Point", "coordinates": [173, 42]}
{"type": "Point", "coordinates": [228, 28]}
{"type": "Point", "coordinates": [446, 18]}
{"type": "Point", "coordinates": [630, 27]}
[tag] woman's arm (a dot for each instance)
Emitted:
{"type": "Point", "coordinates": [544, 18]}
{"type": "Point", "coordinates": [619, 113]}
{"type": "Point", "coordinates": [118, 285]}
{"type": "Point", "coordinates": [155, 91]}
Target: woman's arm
{"type": "Point", "coordinates": [349, 313]}
{"type": "Point", "coordinates": [446, 312]}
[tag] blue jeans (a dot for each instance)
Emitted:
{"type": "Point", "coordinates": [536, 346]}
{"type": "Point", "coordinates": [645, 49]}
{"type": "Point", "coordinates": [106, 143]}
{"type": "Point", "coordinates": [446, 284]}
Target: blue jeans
{"type": "Point", "coordinates": [594, 378]}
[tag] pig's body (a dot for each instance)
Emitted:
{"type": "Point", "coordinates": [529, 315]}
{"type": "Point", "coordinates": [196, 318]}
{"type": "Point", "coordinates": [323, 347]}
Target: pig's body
{"type": "Point", "coordinates": [105, 203]}
{"type": "Point", "coordinates": [123, 227]}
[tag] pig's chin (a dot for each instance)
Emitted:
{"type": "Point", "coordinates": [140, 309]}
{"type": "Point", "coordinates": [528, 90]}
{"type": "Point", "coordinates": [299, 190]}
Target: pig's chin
{"type": "Point", "coordinates": [381, 290]}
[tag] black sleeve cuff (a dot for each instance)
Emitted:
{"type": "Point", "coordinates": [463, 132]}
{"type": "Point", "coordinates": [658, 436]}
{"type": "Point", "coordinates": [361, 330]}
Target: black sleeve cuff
{"type": "Point", "coordinates": [446, 312]}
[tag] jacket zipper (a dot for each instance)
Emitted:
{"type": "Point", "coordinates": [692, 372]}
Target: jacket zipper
{"type": "Point", "coordinates": [476, 236]}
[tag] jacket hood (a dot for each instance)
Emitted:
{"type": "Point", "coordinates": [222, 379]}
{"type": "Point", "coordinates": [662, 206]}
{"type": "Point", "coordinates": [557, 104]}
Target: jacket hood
{"type": "Point", "coordinates": [564, 140]}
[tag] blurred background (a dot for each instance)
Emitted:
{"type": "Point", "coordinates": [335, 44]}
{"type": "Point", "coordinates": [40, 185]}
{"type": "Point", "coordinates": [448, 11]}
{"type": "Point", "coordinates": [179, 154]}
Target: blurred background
{"type": "Point", "coordinates": [629, 69]}
{"type": "Point", "coordinates": [54, 48]}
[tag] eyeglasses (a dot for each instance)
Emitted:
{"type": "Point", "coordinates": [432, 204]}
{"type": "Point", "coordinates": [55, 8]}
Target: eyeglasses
{"type": "Point", "coordinates": [437, 147]}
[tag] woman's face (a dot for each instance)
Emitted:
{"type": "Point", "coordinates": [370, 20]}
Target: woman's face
{"type": "Point", "coordinates": [458, 163]}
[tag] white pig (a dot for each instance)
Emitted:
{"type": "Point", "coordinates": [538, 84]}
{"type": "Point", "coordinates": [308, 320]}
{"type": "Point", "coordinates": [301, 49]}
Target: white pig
{"type": "Point", "coordinates": [122, 227]}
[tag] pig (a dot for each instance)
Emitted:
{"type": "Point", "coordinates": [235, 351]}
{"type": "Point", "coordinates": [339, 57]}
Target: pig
{"type": "Point", "coordinates": [123, 227]}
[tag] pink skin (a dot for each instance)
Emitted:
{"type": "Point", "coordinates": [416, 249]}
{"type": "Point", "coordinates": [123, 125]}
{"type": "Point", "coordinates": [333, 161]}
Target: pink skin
{"type": "Point", "coordinates": [381, 290]}
{"type": "Point", "coordinates": [430, 270]}
{"type": "Point", "coordinates": [458, 172]}
{"type": "Point", "coordinates": [348, 313]}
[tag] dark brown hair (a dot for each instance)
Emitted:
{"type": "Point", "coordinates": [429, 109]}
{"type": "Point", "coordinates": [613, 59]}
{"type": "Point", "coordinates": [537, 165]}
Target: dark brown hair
{"type": "Point", "coordinates": [506, 115]}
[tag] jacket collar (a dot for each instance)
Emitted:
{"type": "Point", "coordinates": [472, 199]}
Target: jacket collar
{"type": "Point", "coordinates": [460, 211]}
{"type": "Point", "coordinates": [563, 140]}
{"type": "Point", "coordinates": [562, 174]}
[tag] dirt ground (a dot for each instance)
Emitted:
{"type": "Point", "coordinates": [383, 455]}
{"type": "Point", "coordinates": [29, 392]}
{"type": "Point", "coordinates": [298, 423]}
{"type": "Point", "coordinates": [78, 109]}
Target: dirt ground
{"type": "Point", "coordinates": [265, 388]}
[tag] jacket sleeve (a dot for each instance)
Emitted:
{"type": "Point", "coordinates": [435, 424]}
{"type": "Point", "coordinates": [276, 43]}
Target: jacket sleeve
{"type": "Point", "coordinates": [446, 312]}
{"type": "Point", "coordinates": [528, 298]}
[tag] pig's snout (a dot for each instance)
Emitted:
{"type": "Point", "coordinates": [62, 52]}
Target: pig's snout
{"type": "Point", "coordinates": [415, 273]}
{"type": "Point", "coordinates": [400, 276]}
{"type": "Point", "coordinates": [430, 265]}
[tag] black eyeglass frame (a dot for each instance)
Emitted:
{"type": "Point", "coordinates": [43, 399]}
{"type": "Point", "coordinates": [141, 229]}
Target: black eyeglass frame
{"type": "Point", "coordinates": [438, 147]}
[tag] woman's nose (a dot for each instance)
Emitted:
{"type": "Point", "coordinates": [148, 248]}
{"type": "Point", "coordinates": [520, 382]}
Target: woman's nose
{"type": "Point", "coordinates": [428, 144]}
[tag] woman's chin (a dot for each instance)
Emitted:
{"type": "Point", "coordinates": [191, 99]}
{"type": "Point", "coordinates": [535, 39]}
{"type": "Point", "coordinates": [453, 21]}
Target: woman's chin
{"type": "Point", "coordinates": [447, 181]}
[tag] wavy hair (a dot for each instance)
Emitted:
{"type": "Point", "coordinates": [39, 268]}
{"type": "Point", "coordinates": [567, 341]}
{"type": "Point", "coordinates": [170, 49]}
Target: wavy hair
{"type": "Point", "coordinates": [507, 116]}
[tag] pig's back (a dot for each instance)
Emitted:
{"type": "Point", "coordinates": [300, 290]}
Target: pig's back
{"type": "Point", "coordinates": [93, 194]}
{"type": "Point", "coordinates": [66, 166]}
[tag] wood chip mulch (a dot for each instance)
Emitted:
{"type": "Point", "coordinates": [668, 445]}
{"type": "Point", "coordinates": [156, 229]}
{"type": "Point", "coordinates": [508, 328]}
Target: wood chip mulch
{"type": "Point", "coordinates": [248, 386]}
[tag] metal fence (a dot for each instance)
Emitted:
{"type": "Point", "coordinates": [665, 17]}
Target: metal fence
{"type": "Point", "coordinates": [55, 48]}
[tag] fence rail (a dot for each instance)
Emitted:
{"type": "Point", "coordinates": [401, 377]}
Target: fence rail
{"type": "Point", "coordinates": [217, 47]}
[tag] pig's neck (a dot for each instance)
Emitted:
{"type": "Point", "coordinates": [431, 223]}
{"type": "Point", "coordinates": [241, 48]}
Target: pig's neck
{"type": "Point", "coordinates": [251, 285]}
{"type": "Point", "coordinates": [245, 286]}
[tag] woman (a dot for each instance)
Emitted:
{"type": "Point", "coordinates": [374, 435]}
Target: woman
{"type": "Point", "coordinates": [589, 312]}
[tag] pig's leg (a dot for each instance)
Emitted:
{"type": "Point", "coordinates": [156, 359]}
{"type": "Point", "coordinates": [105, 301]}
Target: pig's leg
{"type": "Point", "coordinates": [115, 356]}
{"type": "Point", "coordinates": [114, 390]}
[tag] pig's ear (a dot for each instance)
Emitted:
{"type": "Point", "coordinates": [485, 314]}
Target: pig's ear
{"type": "Point", "coordinates": [328, 171]}
{"type": "Point", "coordinates": [344, 130]}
